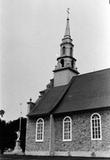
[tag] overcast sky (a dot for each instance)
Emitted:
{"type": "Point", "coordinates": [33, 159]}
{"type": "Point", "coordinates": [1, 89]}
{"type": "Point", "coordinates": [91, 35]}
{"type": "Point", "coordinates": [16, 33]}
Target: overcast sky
{"type": "Point", "coordinates": [31, 35]}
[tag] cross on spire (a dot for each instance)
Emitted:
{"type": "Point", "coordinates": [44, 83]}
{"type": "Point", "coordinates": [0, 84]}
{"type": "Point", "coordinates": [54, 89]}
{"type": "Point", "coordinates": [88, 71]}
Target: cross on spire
{"type": "Point", "coordinates": [68, 12]}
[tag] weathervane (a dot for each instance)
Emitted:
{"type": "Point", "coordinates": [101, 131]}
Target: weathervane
{"type": "Point", "coordinates": [68, 12]}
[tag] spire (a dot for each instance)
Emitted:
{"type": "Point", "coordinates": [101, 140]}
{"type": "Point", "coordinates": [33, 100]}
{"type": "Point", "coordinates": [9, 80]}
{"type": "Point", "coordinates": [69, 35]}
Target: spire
{"type": "Point", "coordinates": [67, 31]}
{"type": "Point", "coordinates": [65, 68]}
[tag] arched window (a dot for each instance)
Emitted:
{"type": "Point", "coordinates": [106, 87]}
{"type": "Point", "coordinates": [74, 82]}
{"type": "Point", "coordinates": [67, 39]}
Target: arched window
{"type": "Point", "coordinates": [72, 63]}
{"type": "Point", "coordinates": [67, 129]}
{"type": "Point", "coordinates": [71, 51]}
{"type": "Point", "coordinates": [40, 129]}
{"type": "Point", "coordinates": [62, 62]}
{"type": "Point", "coordinates": [63, 49]}
{"type": "Point", "coordinates": [96, 131]}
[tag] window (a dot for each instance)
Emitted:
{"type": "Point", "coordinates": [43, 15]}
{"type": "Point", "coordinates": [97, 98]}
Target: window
{"type": "Point", "coordinates": [62, 62]}
{"type": "Point", "coordinates": [67, 129]}
{"type": "Point", "coordinates": [40, 130]}
{"type": "Point", "coordinates": [63, 50]}
{"type": "Point", "coordinates": [71, 51]}
{"type": "Point", "coordinates": [72, 64]}
{"type": "Point", "coordinates": [96, 133]}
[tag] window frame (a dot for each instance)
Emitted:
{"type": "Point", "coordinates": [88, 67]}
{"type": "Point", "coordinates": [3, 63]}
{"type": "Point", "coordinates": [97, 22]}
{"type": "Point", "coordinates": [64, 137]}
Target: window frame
{"type": "Point", "coordinates": [99, 118]}
{"type": "Point", "coordinates": [70, 132]}
{"type": "Point", "coordinates": [36, 138]}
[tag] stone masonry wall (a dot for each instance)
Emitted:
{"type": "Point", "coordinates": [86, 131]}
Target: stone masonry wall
{"type": "Point", "coordinates": [31, 144]}
{"type": "Point", "coordinates": [81, 132]}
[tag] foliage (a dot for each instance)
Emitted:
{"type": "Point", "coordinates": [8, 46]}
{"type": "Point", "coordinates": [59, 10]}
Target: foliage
{"type": "Point", "coordinates": [8, 134]}
{"type": "Point", "coordinates": [2, 135]}
{"type": "Point", "coordinates": [2, 112]}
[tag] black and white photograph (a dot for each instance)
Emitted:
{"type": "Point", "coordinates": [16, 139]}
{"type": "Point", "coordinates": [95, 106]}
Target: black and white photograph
{"type": "Point", "coordinates": [55, 79]}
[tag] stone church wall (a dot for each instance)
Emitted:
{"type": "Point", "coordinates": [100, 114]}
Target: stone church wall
{"type": "Point", "coordinates": [33, 147]}
{"type": "Point", "coordinates": [81, 133]}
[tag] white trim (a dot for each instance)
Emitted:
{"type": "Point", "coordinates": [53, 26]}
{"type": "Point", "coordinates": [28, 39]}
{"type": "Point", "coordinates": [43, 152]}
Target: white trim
{"type": "Point", "coordinates": [70, 129]}
{"type": "Point", "coordinates": [92, 128]}
{"type": "Point", "coordinates": [41, 140]}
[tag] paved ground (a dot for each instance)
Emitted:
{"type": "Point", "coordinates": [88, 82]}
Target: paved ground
{"type": "Point", "coordinates": [24, 157]}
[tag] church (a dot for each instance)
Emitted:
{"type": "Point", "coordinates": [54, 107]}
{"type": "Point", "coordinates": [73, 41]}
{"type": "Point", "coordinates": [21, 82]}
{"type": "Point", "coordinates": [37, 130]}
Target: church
{"type": "Point", "coordinates": [71, 117]}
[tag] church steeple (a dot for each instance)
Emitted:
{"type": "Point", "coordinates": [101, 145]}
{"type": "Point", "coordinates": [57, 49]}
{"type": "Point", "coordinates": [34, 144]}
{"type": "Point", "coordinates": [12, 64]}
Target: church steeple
{"type": "Point", "coordinates": [65, 68]}
{"type": "Point", "coordinates": [66, 45]}
{"type": "Point", "coordinates": [67, 30]}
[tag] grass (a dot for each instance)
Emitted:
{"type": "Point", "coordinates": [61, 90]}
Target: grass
{"type": "Point", "coordinates": [25, 157]}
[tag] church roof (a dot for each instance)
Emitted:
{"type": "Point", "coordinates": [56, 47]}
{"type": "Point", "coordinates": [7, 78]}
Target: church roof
{"type": "Point", "coordinates": [84, 92]}
{"type": "Point", "coordinates": [48, 101]}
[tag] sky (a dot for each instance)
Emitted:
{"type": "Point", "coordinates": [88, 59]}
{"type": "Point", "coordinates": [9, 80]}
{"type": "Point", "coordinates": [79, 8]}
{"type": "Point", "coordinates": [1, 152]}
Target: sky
{"type": "Point", "coordinates": [31, 33]}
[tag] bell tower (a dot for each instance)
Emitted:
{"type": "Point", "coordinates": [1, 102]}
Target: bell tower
{"type": "Point", "coordinates": [65, 68]}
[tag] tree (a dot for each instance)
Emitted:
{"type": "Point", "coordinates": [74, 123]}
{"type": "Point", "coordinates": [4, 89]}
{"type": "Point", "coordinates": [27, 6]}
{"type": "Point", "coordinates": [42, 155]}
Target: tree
{"type": "Point", "coordinates": [12, 128]}
{"type": "Point", "coordinates": [2, 135]}
{"type": "Point", "coordinates": [2, 112]}
{"type": "Point", "coordinates": [8, 134]}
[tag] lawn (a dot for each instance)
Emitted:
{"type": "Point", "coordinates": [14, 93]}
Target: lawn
{"type": "Point", "coordinates": [25, 157]}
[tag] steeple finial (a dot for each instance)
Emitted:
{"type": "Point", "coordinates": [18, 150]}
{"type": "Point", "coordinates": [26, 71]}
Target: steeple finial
{"type": "Point", "coordinates": [68, 12]}
{"type": "Point", "coordinates": [67, 31]}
